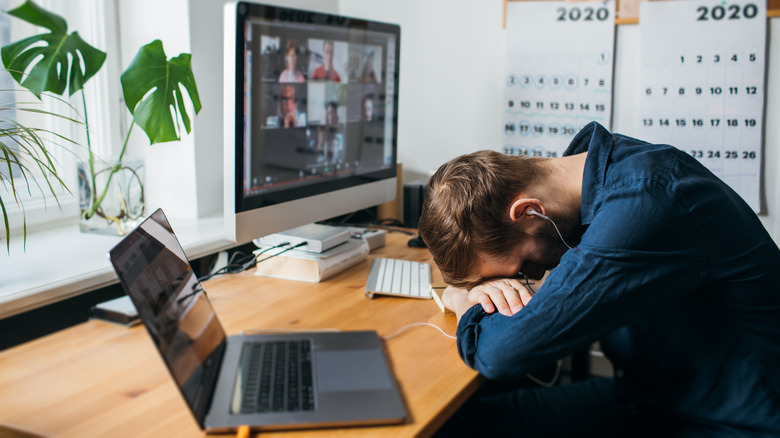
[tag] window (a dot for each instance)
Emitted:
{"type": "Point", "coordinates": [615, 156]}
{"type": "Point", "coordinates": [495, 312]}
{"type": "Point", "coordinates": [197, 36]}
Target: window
{"type": "Point", "coordinates": [95, 20]}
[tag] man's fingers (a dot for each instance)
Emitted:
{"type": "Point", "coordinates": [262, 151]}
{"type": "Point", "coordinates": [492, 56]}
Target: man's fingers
{"type": "Point", "coordinates": [525, 296]}
{"type": "Point", "coordinates": [478, 295]}
{"type": "Point", "coordinates": [508, 296]}
{"type": "Point", "coordinates": [499, 297]}
{"type": "Point", "coordinates": [487, 303]}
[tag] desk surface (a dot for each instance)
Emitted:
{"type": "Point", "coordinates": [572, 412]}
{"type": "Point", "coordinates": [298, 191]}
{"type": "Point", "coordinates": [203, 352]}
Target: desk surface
{"type": "Point", "coordinates": [100, 379]}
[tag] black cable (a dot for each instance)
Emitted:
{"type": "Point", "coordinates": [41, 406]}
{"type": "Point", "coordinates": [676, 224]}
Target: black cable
{"type": "Point", "coordinates": [239, 262]}
{"type": "Point", "coordinates": [282, 252]}
{"type": "Point", "coordinates": [528, 285]}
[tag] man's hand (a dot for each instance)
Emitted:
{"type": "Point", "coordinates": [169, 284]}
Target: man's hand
{"type": "Point", "coordinates": [290, 120]}
{"type": "Point", "coordinates": [507, 295]}
{"type": "Point", "coordinates": [456, 299]}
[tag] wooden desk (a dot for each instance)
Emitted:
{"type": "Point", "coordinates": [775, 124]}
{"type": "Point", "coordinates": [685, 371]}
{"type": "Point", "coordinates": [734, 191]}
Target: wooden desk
{"type": "Point", "coordinates": [99, 379]}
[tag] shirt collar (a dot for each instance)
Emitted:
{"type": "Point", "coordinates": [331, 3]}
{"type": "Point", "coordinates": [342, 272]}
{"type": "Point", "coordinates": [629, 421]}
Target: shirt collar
{"type": "Point", "coordinates": [598, 143]}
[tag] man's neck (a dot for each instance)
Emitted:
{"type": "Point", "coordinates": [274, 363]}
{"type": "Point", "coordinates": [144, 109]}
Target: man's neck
{"type": "Point", "coordinates": [565, 180]}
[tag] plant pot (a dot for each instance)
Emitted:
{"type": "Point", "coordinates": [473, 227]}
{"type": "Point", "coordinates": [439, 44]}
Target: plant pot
{"type": "Point", "coordinates": [114, 204]}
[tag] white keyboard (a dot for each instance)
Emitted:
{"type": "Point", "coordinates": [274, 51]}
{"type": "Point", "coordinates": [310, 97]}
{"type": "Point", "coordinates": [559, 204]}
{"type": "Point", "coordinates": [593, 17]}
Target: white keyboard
{"type": "Point", "coordinates": [401, 278]}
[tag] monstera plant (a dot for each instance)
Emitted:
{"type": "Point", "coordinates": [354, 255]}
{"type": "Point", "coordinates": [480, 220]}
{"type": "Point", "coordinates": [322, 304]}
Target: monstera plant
{"type": "Point", "coordinates": [152, 86]}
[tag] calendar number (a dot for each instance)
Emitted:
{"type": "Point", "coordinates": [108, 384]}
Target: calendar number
{"type": "Point", "coordinates": [699, 123]}
{"type": "Point", "coordinates": [730, 12]}
{"type": "Point", "coordinates": [584, 14]}
{"type": "Point", "coordinates": [729, 155]}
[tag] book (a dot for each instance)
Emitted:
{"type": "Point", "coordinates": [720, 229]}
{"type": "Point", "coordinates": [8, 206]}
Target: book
{"type": "Point", "coordinates": [119, 311]}
{"type": "Point", "coordinates": [318, 238]}
{"type": "Point", "coordinates": [310, 266]}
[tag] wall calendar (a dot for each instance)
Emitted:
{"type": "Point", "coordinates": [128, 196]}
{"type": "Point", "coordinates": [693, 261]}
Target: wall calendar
{"type": "Point", "coordinates": [702, 69]}
{"type": "Point", "coordinates": [559, 73]}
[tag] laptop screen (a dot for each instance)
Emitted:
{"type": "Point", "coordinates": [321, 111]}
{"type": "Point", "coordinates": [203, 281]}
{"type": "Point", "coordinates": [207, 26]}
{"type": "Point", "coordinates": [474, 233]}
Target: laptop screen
{"type": "Point", "coordinates": [155, 273]}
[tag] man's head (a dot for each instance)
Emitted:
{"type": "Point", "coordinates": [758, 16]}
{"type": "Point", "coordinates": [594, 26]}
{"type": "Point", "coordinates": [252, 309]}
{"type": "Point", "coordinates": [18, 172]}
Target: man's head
{"type": "Point", "coordinates": [327, 54]}
{"type": "Point", "coordinates": [291, 55]}
{"type": "Point", "coordinates": [331, 113]}
{"type": "Point", "coordinates": [368, 109]}
{"type": "Point", "coordinates": [477, 220]}
{"type": "Point", "coordinates": [289, 106]}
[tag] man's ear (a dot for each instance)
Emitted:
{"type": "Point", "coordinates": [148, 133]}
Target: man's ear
{"type": "Point", "coordinates": [521, 206]}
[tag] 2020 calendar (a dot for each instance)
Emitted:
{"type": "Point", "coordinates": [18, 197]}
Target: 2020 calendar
{"type": "Point", "coordinates": [702, 84]}
{"type": "Point", "coordinates": [559, 73]}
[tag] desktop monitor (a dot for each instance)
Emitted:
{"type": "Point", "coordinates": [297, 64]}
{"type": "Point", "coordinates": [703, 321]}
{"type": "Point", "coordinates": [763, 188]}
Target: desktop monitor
{"type": "Point", "coordinates": [311, 117]}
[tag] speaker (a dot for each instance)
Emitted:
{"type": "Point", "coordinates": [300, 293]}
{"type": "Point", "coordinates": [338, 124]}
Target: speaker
{"type": "Point", "coordinates": [414, 195]}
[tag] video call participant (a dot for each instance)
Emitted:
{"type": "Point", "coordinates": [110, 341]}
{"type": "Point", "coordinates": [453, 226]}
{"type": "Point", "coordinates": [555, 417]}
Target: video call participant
{"type": "Point", "coordinates": [367, 75]}
{"type": "Point", "coordinates": [648, 252]}
{"type": "Point", "coordinates": [289, 117]}
{"type": "Point", "coordinates": [291, 72]}
{"type": "Point", "coordinates": [329, 141]}
{"type": "Point", "coordinates": [326, 70]}
{"type": "Point", "coordinates": [367, 109]}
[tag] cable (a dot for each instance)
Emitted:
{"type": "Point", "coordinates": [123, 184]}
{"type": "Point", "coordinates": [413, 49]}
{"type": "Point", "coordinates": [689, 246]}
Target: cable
{"type": "Point", "coordinates": [528, 285]}
{"type": "Point", "coordinates": [240, 262]}
{"type": "Point", "coordinates": [304, 243]}
{"type": "Point", "coordinates": [536, 213]}
{"type": "Point", "coordinates": [402, 329]}
{"type": "Point", "coordinates": [243, 431]}
{"type": "Point", "coordinates": [559, 234]}
{"type": "Point", "coordinates": [552, 381]}
{"type": "Point", "coordinates": [530, 377]}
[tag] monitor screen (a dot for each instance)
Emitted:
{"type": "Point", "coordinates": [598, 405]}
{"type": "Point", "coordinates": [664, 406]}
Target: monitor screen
{"type": "Point", "coordinates": [311, 131]}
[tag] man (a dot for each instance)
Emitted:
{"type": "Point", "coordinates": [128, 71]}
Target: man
{"type": "Point", "coordinates": [288, 109]}
{"type": "Point", "coordinates": [329, 137]}
{"type": "Point", "coordinates": [367, 109]}
{"type": "Point", "coordinates": [326, 71]}
{"type": "Point", "coordinates": [648, 253]}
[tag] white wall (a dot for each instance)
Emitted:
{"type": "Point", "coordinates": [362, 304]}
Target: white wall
{"type": "Point", "coordinates": [452, 72]}
{"type": "Point", "coordinates": [185, 178]}
{"type": "Point", "coordinates": [170, 167]}
{"type": "Point", "coordinates": [207, 51]}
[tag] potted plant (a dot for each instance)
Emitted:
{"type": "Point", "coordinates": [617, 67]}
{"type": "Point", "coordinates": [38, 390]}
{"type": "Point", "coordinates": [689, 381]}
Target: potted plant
{"type": "Point", "coordinates": [22, 151]}
{"type": "Point", "coordinates": [152, 87]}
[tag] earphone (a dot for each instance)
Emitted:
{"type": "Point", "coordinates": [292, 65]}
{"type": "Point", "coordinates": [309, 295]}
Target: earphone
{"type": "Point", "coordinates": [533, 212]}
{"type": "Point", "coordinates": [536, 213]}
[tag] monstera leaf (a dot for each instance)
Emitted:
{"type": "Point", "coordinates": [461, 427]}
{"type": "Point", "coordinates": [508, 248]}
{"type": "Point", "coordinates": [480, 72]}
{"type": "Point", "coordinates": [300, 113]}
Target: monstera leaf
{"type": "Point", "coordinates": [45, 57]}
{"type": "Point", "coordinates": [152, 86]}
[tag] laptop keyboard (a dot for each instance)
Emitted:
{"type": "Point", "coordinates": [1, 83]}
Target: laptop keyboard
{"type": "Point", "coordinates": [276, 377]}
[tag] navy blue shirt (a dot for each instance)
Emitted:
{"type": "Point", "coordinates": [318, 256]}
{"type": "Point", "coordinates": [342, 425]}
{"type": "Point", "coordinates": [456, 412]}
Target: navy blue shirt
{"type": "Point", "coordinates": [674, 275]}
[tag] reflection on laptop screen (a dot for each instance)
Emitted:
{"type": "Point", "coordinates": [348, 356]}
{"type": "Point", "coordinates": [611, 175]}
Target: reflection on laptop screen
{"type": "Point", "coordinates": [158, 278]}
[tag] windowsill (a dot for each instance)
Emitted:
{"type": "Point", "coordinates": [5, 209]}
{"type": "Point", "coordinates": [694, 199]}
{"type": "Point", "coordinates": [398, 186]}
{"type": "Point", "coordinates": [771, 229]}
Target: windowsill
{"type": "Point", "coordinates": [61, 263]}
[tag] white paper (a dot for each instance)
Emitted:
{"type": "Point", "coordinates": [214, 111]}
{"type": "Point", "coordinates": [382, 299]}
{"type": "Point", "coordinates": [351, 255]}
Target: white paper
{"type": "Point", "coordinates": [702, 84]}
{"type": "Point", "coordinates": [559, 73]}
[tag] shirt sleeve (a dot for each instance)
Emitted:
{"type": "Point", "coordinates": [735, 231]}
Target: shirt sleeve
{"type": "Point", "coordinates": [638, 252]}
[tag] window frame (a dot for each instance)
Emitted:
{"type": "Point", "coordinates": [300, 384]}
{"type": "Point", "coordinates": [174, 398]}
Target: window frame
{"type": "Point", "coordinates": [97, 23]}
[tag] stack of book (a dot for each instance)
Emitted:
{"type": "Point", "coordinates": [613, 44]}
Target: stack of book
{"type": "Point", "coordinates": [309, 266]}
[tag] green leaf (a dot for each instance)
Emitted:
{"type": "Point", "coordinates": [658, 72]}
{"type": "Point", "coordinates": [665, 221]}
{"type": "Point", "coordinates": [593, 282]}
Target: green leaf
{"type": "Point", "coordinates": [53, 60]}
{"type": "Point", "coordinates": [152, 86]}
{"type": "Point", "coordinates": [7, 226]}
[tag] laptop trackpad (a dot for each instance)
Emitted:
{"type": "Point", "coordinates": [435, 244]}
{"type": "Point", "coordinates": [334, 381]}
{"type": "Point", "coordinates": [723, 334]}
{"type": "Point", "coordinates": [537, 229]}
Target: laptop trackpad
{"type": "Point", "coordinates": [351, 370]}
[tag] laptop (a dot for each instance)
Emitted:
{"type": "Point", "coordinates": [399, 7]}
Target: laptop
{"type": "Point", "coordinates": [273, 381]}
